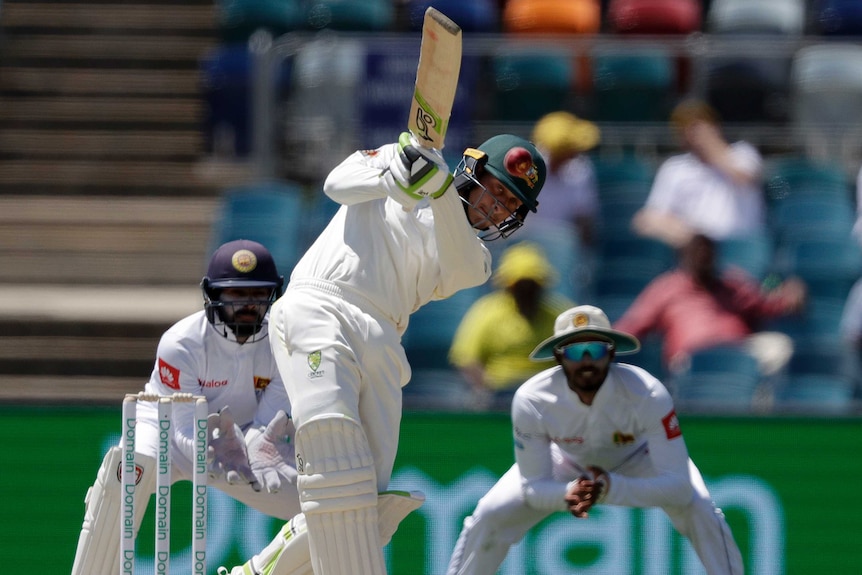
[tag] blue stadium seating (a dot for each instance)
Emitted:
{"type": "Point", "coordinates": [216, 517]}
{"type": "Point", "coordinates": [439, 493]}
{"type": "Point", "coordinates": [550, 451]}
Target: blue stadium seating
{"type": "Point", "coordinates": [749, 88]}
{"type": "Point", "coordinates": [267, 212]}
{"type": "Point", "coordinates": [813, 393]}
{"type": "Point", "coordinates": [351, 15]}
{"type": "Point", "coordinates": [633, 86]}
{"type": "Point", "coordinates": [531, 81]}
{"type": "Point", "coordinates": [238, 19]}
{"type": "Point", "coordinates": [722, 378]}
{"type": "Point", "coordinates": [838, 17]}
{"type": "Point", "coordinates": [753, 254]}
{"type": "Point", "coordinates": [473, 16]}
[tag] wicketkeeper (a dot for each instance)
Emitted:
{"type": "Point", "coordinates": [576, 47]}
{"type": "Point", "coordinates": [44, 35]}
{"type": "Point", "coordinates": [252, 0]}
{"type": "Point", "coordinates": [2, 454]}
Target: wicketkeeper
{"type": "Point", "coordinates": [221, 352]}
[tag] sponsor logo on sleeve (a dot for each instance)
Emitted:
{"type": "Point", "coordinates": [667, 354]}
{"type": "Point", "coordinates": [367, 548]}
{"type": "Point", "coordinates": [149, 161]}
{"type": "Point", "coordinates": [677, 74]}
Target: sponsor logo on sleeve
{"type": "Point", "coordinates": [671, 425]}
{"type": "Point", "coordinates": [314, 359]}
{"type": "Point", "coordinates": [169, 375]}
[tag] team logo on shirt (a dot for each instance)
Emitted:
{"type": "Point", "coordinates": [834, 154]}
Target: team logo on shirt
{"type": "Point", "coordinates": [169, 375]}
{"type": "Point", "coordinates": [671, 425]}
{"type": "Point", "coordinates": [621, 438]}
{"type": "Point", "coordinates": [260, 383]}
{"type": "Point", "coordinates": [314, 364]}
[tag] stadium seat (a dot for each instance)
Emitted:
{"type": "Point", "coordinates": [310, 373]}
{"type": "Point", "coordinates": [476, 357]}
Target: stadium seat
{"type": "Point", "coordinates": [753, 254]}
{"type": "Point", "coordinates": [815, 394]}
{"type": "Point", "coordinates": [472, 16]}
{"type": "Point", "coordinates": [531, 82]}
{"type": "Point", "coordinates": [760, 17]}
{"type": "Point", "coordinates": [826, 88]}
{"type": "Point", "coordinates": [722, 378]}
{"type": "Point", "coordinates": [749, 89]}
{"type": "Point", "coordinates": [652, 256]}
{"type": "Point", "coordinates": [829, 265]}
{"type": "Point", "coordinates": [819, 322]}
{"type": "Point", "coordinates": [654, 16]}
{"type": "Point", "coordinates": [442, 389]}
{"type": "Point", "coordinates": [623, 169]}
{"type": "Point", "coordinates": [632, 86]}
{"type": "Point", "coordinates": [226, 75]}
{"type": "Point", "coordinates": [267, 212]}
{"type": "Point", "coordinates": [622, 280]}
{"type": "Point", "coordinates": [238, 19]}
{"type": "Point", "coordinates": [432, 327]}
{"type": "Point", "coordinates": [807, 218]}
{"type": "Point", "coordinates": [813, 356]}
{"type": "Point", "coordinates": [802, 177]}
{"type": "Point", "coordinates": [552, 16]}
{"type": "Point", "coordinates": [559, 241]}
{"type": "Point", "coordinates": [351, 15]}
{"type": "Point", "coordinates": [649, 356]}
{"type": "Point", "coordinates": [838, 17]}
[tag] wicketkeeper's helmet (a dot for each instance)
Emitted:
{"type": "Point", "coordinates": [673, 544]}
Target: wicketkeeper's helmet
{"type": "Point", "coordinates": [239, 264]}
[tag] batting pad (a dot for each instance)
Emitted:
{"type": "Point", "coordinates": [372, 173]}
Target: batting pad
{"type": "Point", "coordinates": [288, 553]}
{"type": "Point", "coordinates": [99, 542]}
{"type": "Point", "coordinates": [338, 494]}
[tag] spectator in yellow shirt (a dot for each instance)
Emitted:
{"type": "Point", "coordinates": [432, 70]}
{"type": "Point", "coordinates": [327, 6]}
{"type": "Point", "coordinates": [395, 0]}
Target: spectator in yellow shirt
{"type": "Point", "coordinates": [492, 344]}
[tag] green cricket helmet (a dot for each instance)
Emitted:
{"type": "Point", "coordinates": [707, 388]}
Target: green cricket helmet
{"type": "Point", "coordinates": [517, 164]}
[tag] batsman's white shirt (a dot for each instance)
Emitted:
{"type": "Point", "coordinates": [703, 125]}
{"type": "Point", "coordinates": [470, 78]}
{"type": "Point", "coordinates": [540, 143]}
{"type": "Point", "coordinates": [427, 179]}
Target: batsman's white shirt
{"type": "Point", "coordinates": [337, 329]}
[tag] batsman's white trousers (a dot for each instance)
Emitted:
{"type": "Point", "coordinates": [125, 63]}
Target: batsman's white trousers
{"type": "Point", "coordinates": [338, 354]}
{"type": "Point", "coordinates": [502, 518]}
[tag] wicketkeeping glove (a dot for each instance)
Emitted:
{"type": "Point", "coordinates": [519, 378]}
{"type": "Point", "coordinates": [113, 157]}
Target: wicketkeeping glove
{"type": "Point", "coordinates": [270, 452]}
{"type": "Point", "coordinates": [227, 454]}
{"type": "Point", "coordinates": [419, 172]}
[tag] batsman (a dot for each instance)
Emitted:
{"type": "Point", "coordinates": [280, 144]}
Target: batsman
{"type": "Point", "coordinates": [406, 233]}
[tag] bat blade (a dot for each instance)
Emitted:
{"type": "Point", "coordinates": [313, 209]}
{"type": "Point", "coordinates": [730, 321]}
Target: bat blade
{"type": "Point", "coordinates": [436, 79]}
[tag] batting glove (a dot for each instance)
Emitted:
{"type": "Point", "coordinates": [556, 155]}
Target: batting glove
{"type": "Point", "coordinates": [270, 450]}
{"type": "Point", "coordinates": [419, 172]}
{"type": "Point", "coordinates": [227, 453]}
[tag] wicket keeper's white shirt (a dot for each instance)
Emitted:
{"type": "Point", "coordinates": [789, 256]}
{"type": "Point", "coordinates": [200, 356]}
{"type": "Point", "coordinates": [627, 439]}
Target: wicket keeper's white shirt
{"type": "Point", "coordinates": [395, 259]}
{"type": "Point", "coordinates": [194, 357]}
{"type": "Point", "coordinates": [631, 427]}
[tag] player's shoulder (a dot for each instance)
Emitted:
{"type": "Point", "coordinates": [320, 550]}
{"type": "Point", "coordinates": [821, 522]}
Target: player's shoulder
{"type": "Point", "coordinates": [542, 387]}
{"type": "Point", "coordinates": [636, 382]}
{"type": "Point", "coordinates": [188, 332]}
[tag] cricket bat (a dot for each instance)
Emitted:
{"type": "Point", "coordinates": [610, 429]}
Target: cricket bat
{"type": "Point", "coordinates": [436, 79]}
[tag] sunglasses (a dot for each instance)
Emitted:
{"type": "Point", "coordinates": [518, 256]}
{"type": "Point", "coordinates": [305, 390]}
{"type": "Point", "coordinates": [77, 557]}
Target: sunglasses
{"type": "Point", "coordinates": [577, 351]}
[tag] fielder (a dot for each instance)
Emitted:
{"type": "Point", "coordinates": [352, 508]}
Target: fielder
{"type": "Point", "coordinates": [222, 353]}
{"type": "Point", "coordinates": [587, 432]}
{"type": "Point", "coordinates": [405, 234]}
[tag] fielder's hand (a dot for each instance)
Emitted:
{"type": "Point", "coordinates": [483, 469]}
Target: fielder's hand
{"type": "Point", "coordinates": [419, 172]}
{"type": "Point", "coordinates": [270, 452]}
{"type": "Point", "coordinates": [227, 454]}
{"type": "Point", "coordinates": [586, 491]}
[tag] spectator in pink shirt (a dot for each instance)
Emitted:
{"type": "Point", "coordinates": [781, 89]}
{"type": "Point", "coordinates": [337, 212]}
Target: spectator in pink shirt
{"type": "Point", "coordinates": [695, 307]}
